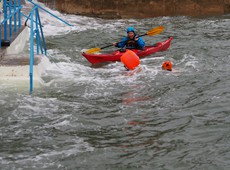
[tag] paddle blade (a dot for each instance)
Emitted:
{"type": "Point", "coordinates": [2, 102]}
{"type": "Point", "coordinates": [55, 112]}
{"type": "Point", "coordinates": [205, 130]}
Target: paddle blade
{"type": "Point", "coordinates": [93, 50]}
{"type": "Point", "coordinates": [155, 31]}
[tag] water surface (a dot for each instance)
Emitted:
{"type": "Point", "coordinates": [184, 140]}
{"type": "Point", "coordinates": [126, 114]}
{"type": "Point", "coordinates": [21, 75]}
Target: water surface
{"type": "Point", "coordinates": [100, 117]}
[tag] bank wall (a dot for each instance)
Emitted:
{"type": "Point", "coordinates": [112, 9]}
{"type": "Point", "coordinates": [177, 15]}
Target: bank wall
{"type": "Point", "coordinates": [142, 8]}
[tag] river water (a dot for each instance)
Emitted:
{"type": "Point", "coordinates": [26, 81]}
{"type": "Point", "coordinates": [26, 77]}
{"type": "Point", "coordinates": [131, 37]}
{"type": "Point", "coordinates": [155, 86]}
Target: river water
{"type": "Point", "coordinates": [103, 117]}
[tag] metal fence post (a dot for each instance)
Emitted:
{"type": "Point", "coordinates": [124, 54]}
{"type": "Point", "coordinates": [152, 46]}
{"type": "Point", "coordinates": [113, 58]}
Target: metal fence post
{"type": "Point", "coordinates": [31, 49]}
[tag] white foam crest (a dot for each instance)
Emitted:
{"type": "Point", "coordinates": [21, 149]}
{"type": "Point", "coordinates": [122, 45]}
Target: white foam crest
{"type": "Point", "coordinates": [79, 146]}
{"type": "Point", "coordinates": [107, 75]}
{"type": "Point", "coordinates": [36, 108]}
{"type": "Point", "coordinates": [190, 63]}
{"type": "Point", "coordinates": [47, 157]}
{"type": "Point", "coordinates": [75, 71]}
{"type": "Point", "coordinates": [151, 59]}
{"type": "Point", "coordinates": [212, 23]}
{"type": "Point", "coordinates": [71, 70]}
{"type": "Point", "coordinates": [65, 68]}
{"type": "Point", "coordinates": [2, 102]}
{"type": "Point", "coordinates": [37, 105]}
{"type": "Point", "coordinates": [80, 23]}
{"type": "Point", "coordinates": [70, 73]}
{"type": "Point", "coordinates": [186, 57]}
{"type": "Point", "coordinates": [50, 23]}
{"type": "Point", "coordinates": [116, 78]}
{"type": "Point", "coordinates": [123, 78]}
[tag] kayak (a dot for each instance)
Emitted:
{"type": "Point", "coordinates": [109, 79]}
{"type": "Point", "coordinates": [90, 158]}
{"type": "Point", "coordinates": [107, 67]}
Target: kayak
{"type": "Point", "coordinates": [116, 55]}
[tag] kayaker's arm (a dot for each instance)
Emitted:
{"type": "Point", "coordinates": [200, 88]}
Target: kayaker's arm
{"type": "Point", "coordinates": [122, 43]}
{"type": "Point", "coordinates": [140, 42]}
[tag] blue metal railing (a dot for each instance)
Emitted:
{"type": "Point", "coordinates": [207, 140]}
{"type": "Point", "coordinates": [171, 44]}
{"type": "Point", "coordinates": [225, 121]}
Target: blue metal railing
{"type": "Point", "coordinates": [12, 20]}
{"type": "Point", "coordinates": [37, 32]}
{"type": "Point", "coordinates": [13, 14]}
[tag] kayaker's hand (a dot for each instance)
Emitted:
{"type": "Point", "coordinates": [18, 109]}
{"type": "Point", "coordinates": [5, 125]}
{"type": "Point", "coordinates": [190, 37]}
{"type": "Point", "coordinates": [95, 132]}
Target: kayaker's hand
{"type": "Point", "coordinates": [115, 44]}
{"type": "Point", "coordinates": [136, 38]}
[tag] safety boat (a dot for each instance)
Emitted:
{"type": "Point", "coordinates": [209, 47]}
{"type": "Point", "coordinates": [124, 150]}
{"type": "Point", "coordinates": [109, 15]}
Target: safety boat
{"type": "Point", "coordinates": [116, 55]}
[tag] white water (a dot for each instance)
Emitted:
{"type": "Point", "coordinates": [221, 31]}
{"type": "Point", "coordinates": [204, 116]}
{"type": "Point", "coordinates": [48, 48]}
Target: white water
{"type": "Point", "coordinates": [53, 26]}
{"type": "Point", "coordinates": [80, 118]}
{"type": "Point", "coordinates": [67, 70]}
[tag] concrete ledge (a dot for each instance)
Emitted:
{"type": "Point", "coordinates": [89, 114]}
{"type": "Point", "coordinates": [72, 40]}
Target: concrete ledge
{"type": "Point", "coordinates": [15, 64]}
{"type": "Point", "coordinates": [18, 75]}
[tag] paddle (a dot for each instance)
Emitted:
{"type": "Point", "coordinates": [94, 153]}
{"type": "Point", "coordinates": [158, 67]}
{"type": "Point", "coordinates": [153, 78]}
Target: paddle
{"type": "Point", "coordinates": [151, 32]}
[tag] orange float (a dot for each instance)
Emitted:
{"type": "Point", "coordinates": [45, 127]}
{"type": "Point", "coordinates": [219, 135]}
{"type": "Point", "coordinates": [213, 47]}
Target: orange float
{"type": "Point", "coordinates": [167, 65]}
{"type": "Point", "coordinates": [130, 60]}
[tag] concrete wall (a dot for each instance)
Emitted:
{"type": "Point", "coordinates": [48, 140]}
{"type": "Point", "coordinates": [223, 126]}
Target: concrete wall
{"type": "Point", "coordinates": [18, 45]}
{"type": "Point", "coordinates": [143, 8]}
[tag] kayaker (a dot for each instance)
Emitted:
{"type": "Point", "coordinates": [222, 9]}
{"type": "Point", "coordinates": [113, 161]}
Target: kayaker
{"type": "Point", "coordinates": [132, 41]}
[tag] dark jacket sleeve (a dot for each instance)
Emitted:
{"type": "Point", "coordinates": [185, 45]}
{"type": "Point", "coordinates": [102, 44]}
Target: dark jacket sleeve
{"type": "Point", "coordinates": [122, 43]}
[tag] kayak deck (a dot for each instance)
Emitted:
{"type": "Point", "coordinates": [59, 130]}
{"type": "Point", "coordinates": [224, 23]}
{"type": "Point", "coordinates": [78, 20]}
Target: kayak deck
{"type": "Point", "coordinates": [116, 55]}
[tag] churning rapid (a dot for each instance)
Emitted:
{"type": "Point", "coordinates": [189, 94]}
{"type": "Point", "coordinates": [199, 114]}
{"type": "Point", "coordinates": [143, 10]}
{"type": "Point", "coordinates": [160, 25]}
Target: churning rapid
{"type": "Point", "coordinates": [103, 117]}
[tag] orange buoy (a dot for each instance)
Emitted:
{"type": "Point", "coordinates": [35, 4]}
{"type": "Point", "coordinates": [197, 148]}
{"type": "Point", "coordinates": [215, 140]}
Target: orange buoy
{"type": "Point", "coordinates": [167, 65]}
{"type": "Point", "coordinates": [130, 60]}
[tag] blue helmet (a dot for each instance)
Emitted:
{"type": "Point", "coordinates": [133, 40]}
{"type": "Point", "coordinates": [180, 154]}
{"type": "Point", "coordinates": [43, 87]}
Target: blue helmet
{"type": "Point", "coordinates": [130, 29]}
